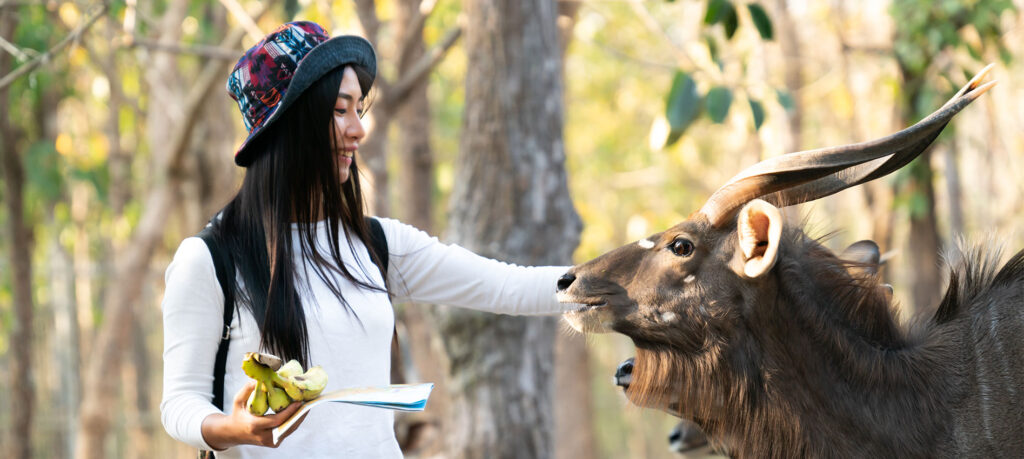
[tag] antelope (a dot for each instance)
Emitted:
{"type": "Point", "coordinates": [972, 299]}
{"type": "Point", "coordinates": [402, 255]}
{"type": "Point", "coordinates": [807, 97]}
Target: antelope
{"type": "Point", "coordinates": [774, 346]}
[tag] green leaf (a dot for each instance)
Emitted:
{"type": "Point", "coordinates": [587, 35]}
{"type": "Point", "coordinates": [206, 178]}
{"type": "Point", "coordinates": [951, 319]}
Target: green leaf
{"type": "Point", "coordinates": [729, 20]}
{"type": "Point", "coordinates": [712, 47]}
{"type": "Point", "coordinates": [785, 100]}
{"type": "Point", "coordinates": [719, 100]}
{"type": "Point", "coordinates": [761, 20]}
{"type": "Point", "coordinates": [757, 109]}
{"type": "Point", "coordinates": [681, 105]}
{"type": "Point", "coordinates": [714, 11]}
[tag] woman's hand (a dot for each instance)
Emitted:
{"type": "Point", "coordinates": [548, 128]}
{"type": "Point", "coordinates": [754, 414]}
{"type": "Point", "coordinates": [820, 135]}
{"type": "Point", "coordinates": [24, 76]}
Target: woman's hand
{"type": "Point", "coordinates": [243, 428]}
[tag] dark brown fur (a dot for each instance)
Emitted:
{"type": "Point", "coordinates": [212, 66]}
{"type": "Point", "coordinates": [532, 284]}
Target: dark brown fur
{"type": "Point", "coordinates": [809, 360]}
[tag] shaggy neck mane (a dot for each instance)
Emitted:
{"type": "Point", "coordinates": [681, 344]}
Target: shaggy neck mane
{"type": "Point", "coordinates": [822, 361]}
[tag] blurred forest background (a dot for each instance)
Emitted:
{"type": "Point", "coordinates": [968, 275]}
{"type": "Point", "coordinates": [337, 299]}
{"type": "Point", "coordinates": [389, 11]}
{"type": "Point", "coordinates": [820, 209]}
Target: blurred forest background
{"type": "Point", "coordinates": [117, 137]}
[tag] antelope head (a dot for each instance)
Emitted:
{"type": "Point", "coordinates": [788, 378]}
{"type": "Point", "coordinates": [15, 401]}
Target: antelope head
{"type": "Point", "coordinates": [689, 287]}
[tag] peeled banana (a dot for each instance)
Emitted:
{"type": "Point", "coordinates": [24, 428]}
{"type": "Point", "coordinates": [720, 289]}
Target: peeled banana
{"type": "Point", "coordinates": [278, 389]}
{"type": "Point", "coordinates": [292, 368]}
{"type": "Point", "coordinates": [311, 383]}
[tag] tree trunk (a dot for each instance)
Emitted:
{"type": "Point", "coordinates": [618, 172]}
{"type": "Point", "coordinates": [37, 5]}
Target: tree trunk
{"type": "Point", "coordinates": [510, 202]}
{"type": "Point", "coordinates": [416, 176]}
{"type": "Point", "coordinates": [952, 173]}
{"type": "Point", "coordinates": [66, 342]}
{"type": "Point", "coordinates": [19, 234]}
{"type": "Point", "coordinates": [925, 243]}
{"type": "Point", "coordinates": [574, 412]}
{"type": "Point", "coordinates": [373, 154]}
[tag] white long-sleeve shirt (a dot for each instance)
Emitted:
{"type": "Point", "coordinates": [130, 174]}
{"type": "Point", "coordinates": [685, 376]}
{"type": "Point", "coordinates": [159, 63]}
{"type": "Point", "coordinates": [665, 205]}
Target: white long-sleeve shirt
{"type": "Point", "coordinates": [354, 353]}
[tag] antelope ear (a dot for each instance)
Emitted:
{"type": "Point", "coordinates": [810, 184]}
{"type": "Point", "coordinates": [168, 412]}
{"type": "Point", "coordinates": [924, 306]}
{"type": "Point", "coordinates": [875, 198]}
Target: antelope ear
{"type": "Point", "coordinates": [759, 228]}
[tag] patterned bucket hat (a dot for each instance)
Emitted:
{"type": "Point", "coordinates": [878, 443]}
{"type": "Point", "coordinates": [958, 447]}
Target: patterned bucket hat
{"type": "Point", "coordinates": [275, 72]}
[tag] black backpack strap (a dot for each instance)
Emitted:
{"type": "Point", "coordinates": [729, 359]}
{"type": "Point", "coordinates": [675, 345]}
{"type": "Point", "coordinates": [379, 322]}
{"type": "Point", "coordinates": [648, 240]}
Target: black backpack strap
{"type": "Point", "coordinates": [225, 269]}
{"type": "Point", "coordinates": [379, 245]}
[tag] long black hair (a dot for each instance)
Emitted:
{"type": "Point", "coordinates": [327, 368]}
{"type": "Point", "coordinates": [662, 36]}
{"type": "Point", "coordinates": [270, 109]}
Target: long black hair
{"type": "Point", "coordinates": [292, 183]}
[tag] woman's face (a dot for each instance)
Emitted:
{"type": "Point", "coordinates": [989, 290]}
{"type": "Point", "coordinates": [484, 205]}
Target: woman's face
{"type": "Point", "coordinates": [348, 129]}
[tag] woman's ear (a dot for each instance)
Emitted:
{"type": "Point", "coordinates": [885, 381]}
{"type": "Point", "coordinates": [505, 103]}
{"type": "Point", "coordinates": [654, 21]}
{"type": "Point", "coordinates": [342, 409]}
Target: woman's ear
{"type": "Point", "coordinates": [758, 228]}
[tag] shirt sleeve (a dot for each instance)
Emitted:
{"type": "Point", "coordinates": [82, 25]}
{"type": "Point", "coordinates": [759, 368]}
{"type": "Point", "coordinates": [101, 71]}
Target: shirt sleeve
{"type": "Point", "coordinates": [423, 269]}
{"type": "Point", "coordinates": [193, 308]}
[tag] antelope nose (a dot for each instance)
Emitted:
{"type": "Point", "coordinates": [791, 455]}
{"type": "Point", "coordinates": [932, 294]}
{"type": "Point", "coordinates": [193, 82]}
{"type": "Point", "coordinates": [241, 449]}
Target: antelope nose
{"type": "Point", "coordinates": [624, 374]}
{"type": "Point", "coordinates": [565, 281]}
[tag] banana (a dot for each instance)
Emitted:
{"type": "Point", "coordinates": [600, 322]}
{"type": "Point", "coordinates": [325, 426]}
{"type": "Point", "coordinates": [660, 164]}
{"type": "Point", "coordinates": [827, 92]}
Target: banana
{"type": "Point", "coordinates": [292, 368]}
{"type": "Point", "coordinates": [279, 388]}
{"type": "Point", "coordinates": [278, 399]}
{"type": "Point", "coordinates": [257, 403]}
{"type": "Point", "coordinates": [259, 371]}
{"type": "Point", "coordinates": [311, 383]}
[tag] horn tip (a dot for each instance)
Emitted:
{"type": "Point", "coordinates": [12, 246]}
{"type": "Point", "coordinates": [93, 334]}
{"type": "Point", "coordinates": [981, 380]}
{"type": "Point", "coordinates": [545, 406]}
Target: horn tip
{"type": "Point", "coordinates": [981, 75]}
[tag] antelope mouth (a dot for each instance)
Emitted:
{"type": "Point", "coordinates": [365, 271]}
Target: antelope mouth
{"type": "Point", "coordinates": [584, 304]}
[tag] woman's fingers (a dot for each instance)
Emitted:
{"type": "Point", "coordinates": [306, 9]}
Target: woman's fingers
{"type": "Point", "coordinates": [292, 428]}
{"type": "Point", "coordinates": [266, 424]}
{"type": "Point", "coordinates": [243, 395]}
{"type": "Point", "coordinates": [273, 420]}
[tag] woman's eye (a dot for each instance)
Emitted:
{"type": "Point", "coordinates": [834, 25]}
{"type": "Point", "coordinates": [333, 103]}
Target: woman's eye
{"type": "Point", "coordinates": [341, 111]}
{"type": "Point", "coordinates": [681, 247]}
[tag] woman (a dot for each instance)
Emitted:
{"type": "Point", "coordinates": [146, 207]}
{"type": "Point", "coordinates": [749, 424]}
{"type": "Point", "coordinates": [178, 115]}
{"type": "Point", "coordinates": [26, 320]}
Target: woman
{"type": "Point", "coordinates": [295, 233]}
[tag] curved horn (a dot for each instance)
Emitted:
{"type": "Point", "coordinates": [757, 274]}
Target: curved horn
{"type": "Point", "coordinates": [808, 175]}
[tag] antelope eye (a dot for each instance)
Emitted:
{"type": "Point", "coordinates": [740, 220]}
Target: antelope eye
{"type": "Point", "coordinates": [681, 247]}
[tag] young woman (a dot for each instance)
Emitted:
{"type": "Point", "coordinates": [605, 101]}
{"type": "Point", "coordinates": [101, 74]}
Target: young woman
{"type": "Point", "coordinates": [296, 234]}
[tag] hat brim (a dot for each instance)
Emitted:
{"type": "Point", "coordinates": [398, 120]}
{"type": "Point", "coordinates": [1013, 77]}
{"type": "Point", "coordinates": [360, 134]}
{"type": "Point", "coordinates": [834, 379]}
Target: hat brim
{"type": "Point", "coordinates": [325, 57]}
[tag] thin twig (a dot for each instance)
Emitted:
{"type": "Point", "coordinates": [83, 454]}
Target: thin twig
{"type": "Point", "coordinates": [652, 24]}
{"type": "Point", "coordinates": [212, 52]}
{"type": "Point", "coordinates": [625, 57]}
{"type": "Point", "coordinates": [38, 60]}
{"type": "Point", "coordinates": [22, 3]}
{"type": "Point", "coordinates": [14, 50]}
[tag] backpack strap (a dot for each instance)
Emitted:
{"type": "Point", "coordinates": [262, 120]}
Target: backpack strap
{"type": "Point", "coordinates": [379, 245]}
{"type": "Point", "coordinates": [225, 269]}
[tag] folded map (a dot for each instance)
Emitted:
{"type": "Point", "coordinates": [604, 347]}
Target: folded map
{"type": "Point", "coordinates": [403, 397]}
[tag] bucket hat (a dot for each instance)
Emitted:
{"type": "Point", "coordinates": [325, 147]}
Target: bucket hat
{"type": "Point", "coordinates": [277, 70]}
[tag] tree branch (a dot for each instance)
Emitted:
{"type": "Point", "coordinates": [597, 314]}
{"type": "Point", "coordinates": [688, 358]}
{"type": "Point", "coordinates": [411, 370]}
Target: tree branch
{"type": "Point", "coordinates": [212, 52]}
{"type": "Point", "coordinates": [414, 27]}
{"type": "Point", "coordinates": [648, 20]}
{"type": "Point", "coordinates": [243, 18]}
{"type": "Point", "coordinates": [45, 57]}
{"type": "Point", "coordinates": [15, 51]}
{"type": "Point", "coordinates": [419, 70]}
{"type": "Point", "coordinates": [367, 12]}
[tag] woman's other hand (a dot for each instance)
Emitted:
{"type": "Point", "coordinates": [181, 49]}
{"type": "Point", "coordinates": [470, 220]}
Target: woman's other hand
{"type": "Point", "coordinates": [243, 428]}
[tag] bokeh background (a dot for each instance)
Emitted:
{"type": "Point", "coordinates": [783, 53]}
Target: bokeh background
{"type": "Point", "coordinates": [539, 132]}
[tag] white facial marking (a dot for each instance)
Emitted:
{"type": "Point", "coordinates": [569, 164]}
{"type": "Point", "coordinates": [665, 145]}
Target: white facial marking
{"type": "Point", "coordinates": [645, 243]}
{"type": "Point", "coordinates": [668, 316]}
{"type": "Point", "coordinates": [689, 278]}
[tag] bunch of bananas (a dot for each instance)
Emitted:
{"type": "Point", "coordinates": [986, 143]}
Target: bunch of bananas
{"type": "Point", "coordinates": [278, 389]}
